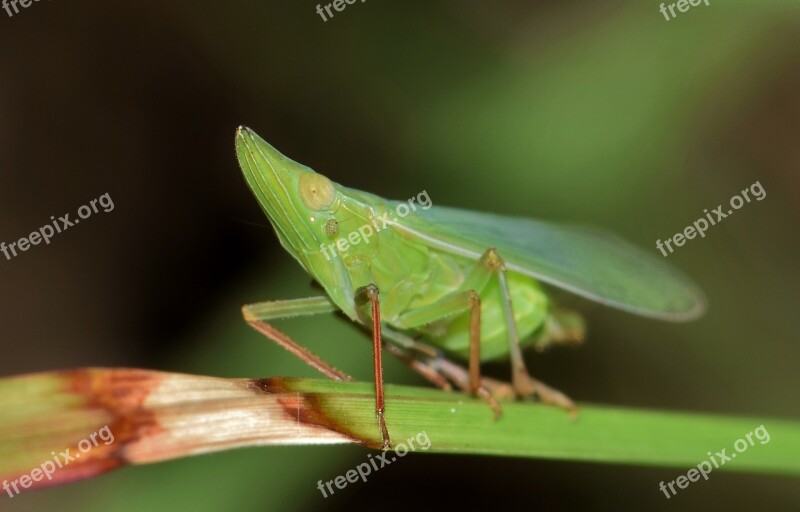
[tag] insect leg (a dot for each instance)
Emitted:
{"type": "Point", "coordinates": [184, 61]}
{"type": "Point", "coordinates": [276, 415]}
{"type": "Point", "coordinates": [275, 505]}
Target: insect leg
{"type": "Point", "coordinates": [562, 327]}
{"type": "Point", "coordinates": [426, 370]}
{"type": "Point", "coordinates": [453, 304]}
{"type": "Point", "coordinates": [523, 382]}
{"type": "Point", "coordinates": [370, 293]}
{"type": "Point", "coordinates": [490, 389]}
{"type": "Point", "coordinates": [257, 314]}
{"type": "Point", "coordinates": [432, 365]}
{"type": "Point", "coordinates": [408, 343]}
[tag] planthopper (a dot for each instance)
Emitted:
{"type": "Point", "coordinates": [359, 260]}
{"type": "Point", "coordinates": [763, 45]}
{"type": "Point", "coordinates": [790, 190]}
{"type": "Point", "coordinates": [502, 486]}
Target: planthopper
{"type": "Point", "coordinates": [443, 284]}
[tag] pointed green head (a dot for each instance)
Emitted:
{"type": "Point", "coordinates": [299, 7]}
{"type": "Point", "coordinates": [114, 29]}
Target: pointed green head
{"type": "Point", "coordinates": [294, 197]}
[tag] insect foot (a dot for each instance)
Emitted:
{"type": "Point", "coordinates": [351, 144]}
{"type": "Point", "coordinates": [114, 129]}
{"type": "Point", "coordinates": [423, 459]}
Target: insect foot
{"type": "Point", "coordinates": [528, 386]}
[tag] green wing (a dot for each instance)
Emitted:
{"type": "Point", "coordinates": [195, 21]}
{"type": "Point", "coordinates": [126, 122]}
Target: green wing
{"type": "Point", "coordinates": [588, 262]}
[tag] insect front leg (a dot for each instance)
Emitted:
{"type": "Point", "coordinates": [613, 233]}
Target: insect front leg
{"type": "Point", "coordinates": [363, 295]}
{"type": "Point", "coordinates": [257, 315]}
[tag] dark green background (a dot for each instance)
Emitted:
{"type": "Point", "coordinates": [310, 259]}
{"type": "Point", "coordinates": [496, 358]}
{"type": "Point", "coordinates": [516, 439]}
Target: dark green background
{"type": "Point", "coordinates": [596, 112]}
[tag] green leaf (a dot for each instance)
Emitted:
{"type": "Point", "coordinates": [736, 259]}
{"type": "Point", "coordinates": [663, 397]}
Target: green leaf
{"type": "Point", "coordinates": [158, 416]}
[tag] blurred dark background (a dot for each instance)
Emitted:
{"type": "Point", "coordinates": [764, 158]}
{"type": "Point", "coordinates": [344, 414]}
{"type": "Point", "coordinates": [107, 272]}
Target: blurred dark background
{"type": "Point", "coordinates": [595, 112]}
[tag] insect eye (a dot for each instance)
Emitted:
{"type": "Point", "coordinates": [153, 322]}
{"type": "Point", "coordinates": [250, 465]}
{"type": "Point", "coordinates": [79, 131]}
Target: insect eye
{"type": "Point", "coordinates": [316, 191]}
{"type": "Point", "coordinates": [331, 228]}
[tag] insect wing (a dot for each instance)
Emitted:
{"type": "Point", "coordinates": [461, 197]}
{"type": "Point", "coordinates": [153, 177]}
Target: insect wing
{"type": "Point", "coordinates": [588, 262]}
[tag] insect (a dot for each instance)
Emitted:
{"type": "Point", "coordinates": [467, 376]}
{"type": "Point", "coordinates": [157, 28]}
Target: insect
{"type": "Point", "coordinates": [442, 283]}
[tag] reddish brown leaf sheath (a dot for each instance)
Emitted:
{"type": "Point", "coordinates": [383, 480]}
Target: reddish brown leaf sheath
{"type": "Point", "coordinates": [62, 426]}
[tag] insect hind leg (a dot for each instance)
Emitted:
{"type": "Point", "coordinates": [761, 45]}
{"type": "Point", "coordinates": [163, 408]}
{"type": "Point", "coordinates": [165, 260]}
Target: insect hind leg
{"type": "Point", "coordinates": [524, 384]}
{"type": "Point", "coordinates": [562, 327]}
